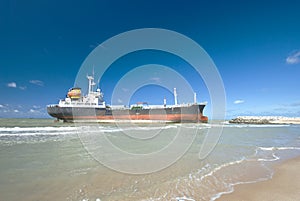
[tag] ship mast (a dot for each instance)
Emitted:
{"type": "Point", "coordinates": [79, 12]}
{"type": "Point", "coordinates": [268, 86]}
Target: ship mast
{"type": "Point", "coordinates": [91, 83]}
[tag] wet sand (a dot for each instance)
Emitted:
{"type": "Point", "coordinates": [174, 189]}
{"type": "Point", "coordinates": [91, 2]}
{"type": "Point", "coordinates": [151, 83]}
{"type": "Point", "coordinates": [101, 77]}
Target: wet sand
{"type": "Point", "coordinates": [285, 185]}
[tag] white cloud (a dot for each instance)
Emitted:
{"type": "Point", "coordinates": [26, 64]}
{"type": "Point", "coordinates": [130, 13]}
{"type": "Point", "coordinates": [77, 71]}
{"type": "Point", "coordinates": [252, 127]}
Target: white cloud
{"type": "Point", "coordinates": [16, 110]}
{"type": "Point", "coordinates": [32, 110]}
{"type": "Point", "coordinates": [12, 85]}
{"type": "Point", "coordinates": [23, 87]}
{"type": "Point", "coordinates": [37, 82]}
{"type": "Point", "coordinates": [238, 101]}
{"type": "Point", "coordinates": [1, 106]}
{"type": "Point", "coordinates": [120, 101]}
{"type": "Point", "coordinates": [293, 58]}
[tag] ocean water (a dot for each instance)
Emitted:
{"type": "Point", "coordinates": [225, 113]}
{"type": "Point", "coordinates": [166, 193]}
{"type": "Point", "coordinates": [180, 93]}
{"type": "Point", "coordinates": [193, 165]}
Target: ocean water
{"type": "Point", "coordinates": [44, 160]}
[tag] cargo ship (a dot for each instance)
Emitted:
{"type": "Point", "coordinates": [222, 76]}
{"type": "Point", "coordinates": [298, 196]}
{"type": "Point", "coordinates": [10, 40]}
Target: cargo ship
{"type": "Point", "coordinates": [91, 107]}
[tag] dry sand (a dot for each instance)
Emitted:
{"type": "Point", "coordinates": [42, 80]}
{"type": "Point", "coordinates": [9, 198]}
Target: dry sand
{"type": "Point", "coordinates": [284, 186]}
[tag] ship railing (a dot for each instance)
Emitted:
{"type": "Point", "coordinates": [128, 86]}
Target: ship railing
{"type": "Point", "coordinates": [52, 105]}
{"type": "Point", "coordinates": [119, 107]}
{"type": "Point", "coordinates": [84, 103]}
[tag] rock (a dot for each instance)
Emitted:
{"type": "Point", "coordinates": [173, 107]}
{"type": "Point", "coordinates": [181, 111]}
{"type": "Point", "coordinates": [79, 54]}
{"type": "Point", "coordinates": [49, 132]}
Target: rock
{"type": "Point", "coordinates": [265, 120]}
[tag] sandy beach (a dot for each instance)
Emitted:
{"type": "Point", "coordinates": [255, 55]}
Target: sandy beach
{"type": "Point", "coordinates": [284, 185]}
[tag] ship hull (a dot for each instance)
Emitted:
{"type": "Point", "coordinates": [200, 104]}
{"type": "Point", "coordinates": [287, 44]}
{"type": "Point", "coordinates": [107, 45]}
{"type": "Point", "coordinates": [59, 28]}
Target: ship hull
{"type": "Point", "coordinates": [176, 114]}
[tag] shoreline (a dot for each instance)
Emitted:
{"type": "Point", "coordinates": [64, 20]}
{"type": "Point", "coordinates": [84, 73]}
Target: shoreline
{"type": "Point", "coordinates": [284, 185]}
{"type": "Point", "coordinates": [265, 120]}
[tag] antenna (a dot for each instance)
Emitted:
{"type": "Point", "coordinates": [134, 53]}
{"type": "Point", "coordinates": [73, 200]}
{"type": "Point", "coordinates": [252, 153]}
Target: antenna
{"type": "Point", "coordinates": [92, 80]}
{"type": "Point", "coordinates": [98, 82]}
{"type": "Point", "coordinates": [93, 71]}
{"type": "Point", "coordinates": [175, 96]}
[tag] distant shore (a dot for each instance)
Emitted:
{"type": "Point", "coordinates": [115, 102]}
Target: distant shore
{"type": "Point", "coordinates": [265, 120]}
{"type": "Point", "coordinates": [284, 185]}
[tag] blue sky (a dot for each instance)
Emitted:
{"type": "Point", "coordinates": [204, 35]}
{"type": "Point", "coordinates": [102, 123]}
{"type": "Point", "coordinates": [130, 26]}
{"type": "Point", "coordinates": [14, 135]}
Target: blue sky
{"type": "Point", "coordinates": [254, 44]}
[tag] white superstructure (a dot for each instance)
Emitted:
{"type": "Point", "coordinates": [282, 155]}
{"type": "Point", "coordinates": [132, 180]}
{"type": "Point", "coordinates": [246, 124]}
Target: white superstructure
{"type": "Point", "coordinates": [93, 98]}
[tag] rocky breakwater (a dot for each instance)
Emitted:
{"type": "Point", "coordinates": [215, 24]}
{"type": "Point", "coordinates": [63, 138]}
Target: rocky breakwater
{"type": "Point", "coordinates": [265, 120]}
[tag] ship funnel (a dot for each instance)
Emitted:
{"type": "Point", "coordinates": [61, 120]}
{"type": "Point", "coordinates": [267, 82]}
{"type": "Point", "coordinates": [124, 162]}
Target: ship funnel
{"type": "Point", "coordinates": [175, 96]}
{"type": "Point", "coordinates": [165, 102]}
